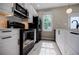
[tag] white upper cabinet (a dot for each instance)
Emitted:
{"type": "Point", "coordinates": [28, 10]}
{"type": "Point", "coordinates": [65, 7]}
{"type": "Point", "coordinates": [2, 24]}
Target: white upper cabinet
{"type": "Point", "coordinates": [6, 9]}
{"type": "Point", "coordinates": [32, 12]}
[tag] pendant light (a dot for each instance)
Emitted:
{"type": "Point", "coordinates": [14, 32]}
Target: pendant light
{"type": "Point", "coordinates": [69, 10]}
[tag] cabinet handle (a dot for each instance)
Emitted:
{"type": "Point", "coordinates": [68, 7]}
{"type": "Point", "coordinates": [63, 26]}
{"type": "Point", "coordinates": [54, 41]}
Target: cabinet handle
{"type": "Point", "coordinates": [6, 31]}
{"type": "Point", "coordinates": [59, 32]}
{"type": "Point", "coordinates": [6, 37]}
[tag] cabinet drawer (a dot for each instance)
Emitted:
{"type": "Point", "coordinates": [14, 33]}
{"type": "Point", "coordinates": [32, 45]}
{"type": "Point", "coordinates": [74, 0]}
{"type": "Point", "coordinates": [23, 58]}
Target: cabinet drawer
{"type": "Point", "coordinates": [10, 46]}
{"type": "Point", "coordinates": [9, 42]}
{"type": "Point", "coordinates": [16, 36]}
{"type": "Point", "coordinates": [8, 33]}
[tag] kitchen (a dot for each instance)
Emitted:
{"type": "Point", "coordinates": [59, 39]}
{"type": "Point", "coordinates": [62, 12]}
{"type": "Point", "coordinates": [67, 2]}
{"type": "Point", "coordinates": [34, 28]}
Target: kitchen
{"type": "Point", "coordinates": [24, 32]}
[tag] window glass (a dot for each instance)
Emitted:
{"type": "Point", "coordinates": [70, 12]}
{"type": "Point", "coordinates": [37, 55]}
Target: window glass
{"type": "Point", "coordinates": [47, 23]}
{"type": "Point", "coordinates": [74, 21]}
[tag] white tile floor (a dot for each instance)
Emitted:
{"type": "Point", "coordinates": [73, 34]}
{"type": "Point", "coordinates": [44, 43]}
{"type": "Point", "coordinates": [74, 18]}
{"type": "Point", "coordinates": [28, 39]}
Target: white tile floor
{"type": "Point", "coordinates": [45, 47]}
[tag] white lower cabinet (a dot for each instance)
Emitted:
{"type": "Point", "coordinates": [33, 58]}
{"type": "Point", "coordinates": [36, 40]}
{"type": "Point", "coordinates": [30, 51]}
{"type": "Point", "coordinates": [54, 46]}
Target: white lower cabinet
{"type": "Point", "coordinates": [67, 42]}
{"type": "Point", "coordinates": [9, 43]}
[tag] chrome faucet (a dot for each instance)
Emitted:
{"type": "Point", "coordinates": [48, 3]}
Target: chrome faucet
{"type": "Point", "coordinates": [77, 23]}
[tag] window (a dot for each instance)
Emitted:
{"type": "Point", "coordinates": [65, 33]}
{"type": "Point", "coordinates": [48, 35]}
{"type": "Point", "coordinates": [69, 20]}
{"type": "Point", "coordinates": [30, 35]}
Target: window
{"type": "Point", "coordinates": [47, 23]}
{"type": "Point", "coordinates": [74, 21]}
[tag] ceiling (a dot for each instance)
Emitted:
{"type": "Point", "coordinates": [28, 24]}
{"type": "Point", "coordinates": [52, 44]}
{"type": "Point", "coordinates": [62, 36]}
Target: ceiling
{"type": "Point", "coordinates": [39, 6]}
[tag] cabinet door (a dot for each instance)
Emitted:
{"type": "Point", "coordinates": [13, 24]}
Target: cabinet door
{"type": "Point", "coordinates": [72, 44]}
{"type": "Point", "coordinates": [59, 40]}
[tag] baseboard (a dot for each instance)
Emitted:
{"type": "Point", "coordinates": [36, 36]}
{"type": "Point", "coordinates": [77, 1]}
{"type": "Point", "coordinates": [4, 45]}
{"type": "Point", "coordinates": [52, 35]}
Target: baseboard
{"type": "Point", "coordinates": [48, 38]}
